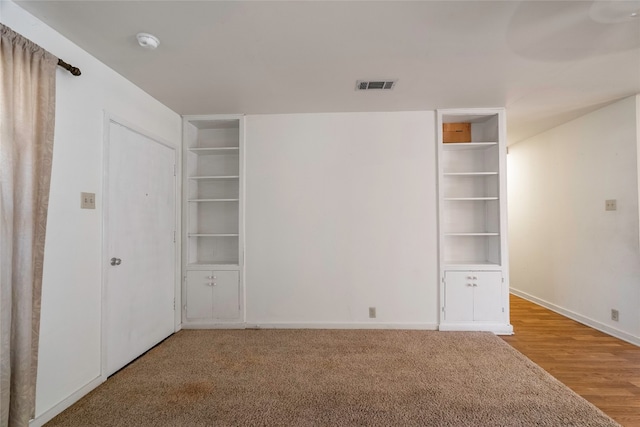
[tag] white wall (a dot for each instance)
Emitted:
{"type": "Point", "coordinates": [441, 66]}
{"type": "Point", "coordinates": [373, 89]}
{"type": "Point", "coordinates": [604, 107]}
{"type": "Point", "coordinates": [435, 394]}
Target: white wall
{"type": "Point", "coordinates": [638, 152]}
{"type": "Point", "coordinates": [70, 323]}
{"type": "Point", "coordinates": [566, 251]}
{"type": "Point", "coordinates": [340, 217]}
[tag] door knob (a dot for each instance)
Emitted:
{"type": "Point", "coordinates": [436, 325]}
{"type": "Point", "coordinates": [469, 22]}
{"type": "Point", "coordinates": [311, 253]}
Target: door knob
{"type": "Point", "coordinates": [116, 261]}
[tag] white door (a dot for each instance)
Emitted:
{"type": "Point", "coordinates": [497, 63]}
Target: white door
{"type": "Point", "coordinates": [199, 294]}
{"type": "Point", "coordinates": [140, 259]}
{"type": "Point", "coordinates": [226, 301]}
{"type": "Point", "coordinates": [458, 296]}
{"type": "Point", "coordinates": [487, 302]}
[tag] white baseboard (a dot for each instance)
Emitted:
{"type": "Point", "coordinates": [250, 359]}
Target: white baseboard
{"type": "Point", "coordinates": [578, 317]}
{"type": "Point", "coordinates": [310, 325]}
{"type": "Point", "coordinates": [496, 328]}
{"type": "Point", "coordinates": [337, 325]}
{"type": "Point", "coordinates": [73, 398]}
{"type": "Point", "coordinates": [214, 325]}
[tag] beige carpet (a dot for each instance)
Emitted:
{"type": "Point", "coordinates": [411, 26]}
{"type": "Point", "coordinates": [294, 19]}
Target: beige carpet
{"type": "Point", "coordinates": [332, 378]}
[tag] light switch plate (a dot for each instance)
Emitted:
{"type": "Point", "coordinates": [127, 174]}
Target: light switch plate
{"type": "Point", "coordinates": [87, 200]}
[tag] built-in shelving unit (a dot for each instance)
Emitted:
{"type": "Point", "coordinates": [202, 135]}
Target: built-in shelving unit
{"type": "Point", "coordinates": [213, 213]}
{"type": "Point", "coordinates": [472, 222]}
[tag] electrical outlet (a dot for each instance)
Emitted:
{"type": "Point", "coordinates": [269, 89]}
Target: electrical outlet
{"type": "Point", "coordinates": [372, 312]}
{"type": "Point", "coordinates": [615, 316]}
{"type": "Point", "coordinates": [87, 200]}
{"type": "Point", "coordinates": [610, 205]}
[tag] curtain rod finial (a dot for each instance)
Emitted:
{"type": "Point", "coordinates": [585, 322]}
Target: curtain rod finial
{"type": "Point", "coordinates": [70, 68]}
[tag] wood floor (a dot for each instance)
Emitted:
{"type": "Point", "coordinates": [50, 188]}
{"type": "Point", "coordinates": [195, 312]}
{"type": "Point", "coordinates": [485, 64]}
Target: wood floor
{"type": "Point", "coordinates": [602, 369]}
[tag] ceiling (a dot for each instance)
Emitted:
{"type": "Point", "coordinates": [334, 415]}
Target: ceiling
{"type": "Point", "coordinates": [545, 61]}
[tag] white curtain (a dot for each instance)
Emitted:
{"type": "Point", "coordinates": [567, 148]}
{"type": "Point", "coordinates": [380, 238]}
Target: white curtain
{"type": "Point", "coordinates": [27, 106]}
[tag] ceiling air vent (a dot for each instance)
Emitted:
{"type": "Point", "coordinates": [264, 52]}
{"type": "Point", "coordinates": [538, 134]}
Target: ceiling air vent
{"type": "Point", "coordinates": [375, 84]}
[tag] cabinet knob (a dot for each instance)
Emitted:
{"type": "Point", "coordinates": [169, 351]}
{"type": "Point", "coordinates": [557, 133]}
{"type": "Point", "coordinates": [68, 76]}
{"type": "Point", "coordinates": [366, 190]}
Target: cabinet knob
{"type": "Point", "coordinates": [211, 277]}
{"type": "Point", "coordinates": [475, 285]}
{"type": "Point", "coordinates": [469, 284]}
{"type": "Point", "coordinates": [211, 283]}
{"type": "Point", "coordinates": [470, 278]}
{"type": "Point", "coordinates": [475, 278]}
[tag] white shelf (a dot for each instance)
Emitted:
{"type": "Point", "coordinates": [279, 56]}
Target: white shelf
{"type": "Point", "coordinates": [212, 200]}
{"type": "Point", "coordinates": [470, 173]}
{"type": "Point", "coordinates": [212, 235]}
{"type": "Point", "coordinates": [451, 146]}
{"type": "Point", "coordinates": [216, 263]}
{"type": "Point", "coordinates": [214, 150]}
{"type": "Point", "coordinates": [471, 234]}
{"type": "Point", "coordinates": [215, 177]}
{"type": "Point", "coordinates": [453, 199]}
{"type": "Point", "coordinates": [466, 265]}
{"type": "Point", "coordinates": [469, 262]}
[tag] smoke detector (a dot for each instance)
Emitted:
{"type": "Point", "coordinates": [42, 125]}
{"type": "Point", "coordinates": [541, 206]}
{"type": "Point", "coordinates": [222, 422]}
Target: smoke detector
{"type": "Point", "coordinates": [148, 41]}
{"type": "Point", "coordinates": [375, 84]}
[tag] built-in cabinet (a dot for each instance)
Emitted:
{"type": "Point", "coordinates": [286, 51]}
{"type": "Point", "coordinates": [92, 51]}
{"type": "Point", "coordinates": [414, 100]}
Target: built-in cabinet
{"type": "Point", "coordinates": [213, 205]}
{"type": "Point", "coordinates": [472, 223]}
{"type": "Point", "coordinates": [473, 296]}
{"type": "Point", "coordinates": [212, 295]}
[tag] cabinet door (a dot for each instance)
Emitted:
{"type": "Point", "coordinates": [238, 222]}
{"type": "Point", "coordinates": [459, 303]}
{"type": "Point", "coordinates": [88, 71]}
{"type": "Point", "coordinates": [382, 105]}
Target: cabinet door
{"type": "Point", "coordinates": [226, 295]}
{"type": "Point", "coordinates": [487, 301]}
{"type": "Point", "coordinates": [458, 297]}
{"type": "Point", "coordinates": [199, 294]}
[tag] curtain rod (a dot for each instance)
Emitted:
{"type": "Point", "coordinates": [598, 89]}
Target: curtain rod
{"type": "Point", "coordinates": [70, 68]}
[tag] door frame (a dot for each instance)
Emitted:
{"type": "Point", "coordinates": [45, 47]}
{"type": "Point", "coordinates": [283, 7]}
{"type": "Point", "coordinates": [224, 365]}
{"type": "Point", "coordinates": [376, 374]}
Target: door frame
{"type": "Point", "coordinates": [177, 156]}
